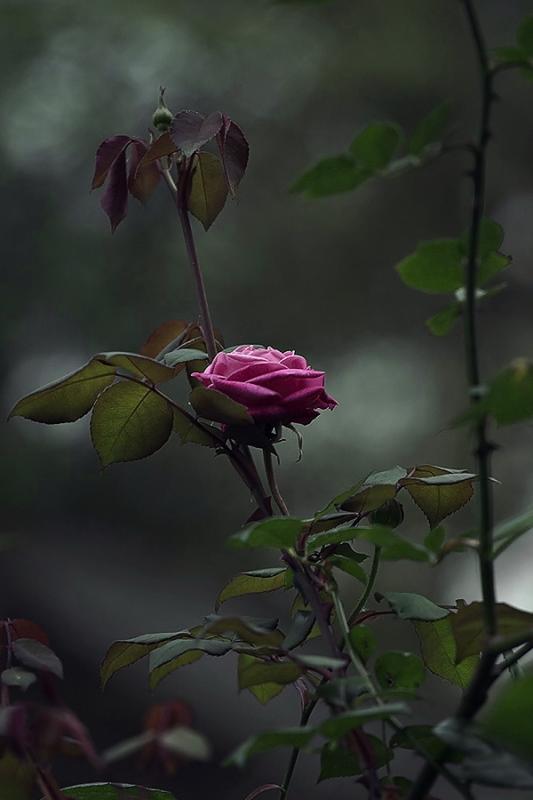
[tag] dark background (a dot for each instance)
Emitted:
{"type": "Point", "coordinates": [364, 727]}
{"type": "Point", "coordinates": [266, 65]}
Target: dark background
{"type": "Point", "coordinates": [140, 548]}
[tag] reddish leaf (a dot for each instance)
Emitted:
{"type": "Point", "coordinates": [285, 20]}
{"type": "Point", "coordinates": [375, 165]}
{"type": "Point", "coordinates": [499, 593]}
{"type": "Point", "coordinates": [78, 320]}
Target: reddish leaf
{"type": "Point", "coordinates": [163, 146]}
{"type": "Point", "coordinates": [162, 336]}
{"type": "Point", "coordinates": [190, 130]}
{"type": "Point", "coordinates": [115, 198]}
{"type": "Point", "coordinates": [141, 180]}
{"type": "Point", "coordinates": [23, 629]}
{"type": "Point", "coordinates": [106, 155]}
{"type": "Point", "coordinates": [234, 151]}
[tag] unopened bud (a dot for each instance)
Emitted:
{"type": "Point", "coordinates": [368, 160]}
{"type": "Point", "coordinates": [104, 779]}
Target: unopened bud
{"type": "Point", "coordinates": [163, 116]}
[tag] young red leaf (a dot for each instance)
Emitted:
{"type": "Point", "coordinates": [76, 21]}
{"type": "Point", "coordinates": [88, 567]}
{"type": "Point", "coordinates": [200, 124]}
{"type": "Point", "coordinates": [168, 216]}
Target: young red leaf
{"type": "Point", "coordinates": [115, 198]}
{"type": "Point", "coordinates": [162, 146]}
{"type": "Point", "coordinates": [190, 130]}
{"type": "Point", "coordinates": [141, 180]}
{"type": "Point", "coordinates": [106, 155]}
{"type": "Point", "coordinates": [234, 151]}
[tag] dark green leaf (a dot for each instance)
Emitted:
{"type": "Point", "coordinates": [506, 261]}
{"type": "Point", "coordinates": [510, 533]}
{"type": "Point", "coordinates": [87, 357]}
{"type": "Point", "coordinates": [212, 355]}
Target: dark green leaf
{"type": "Point", "coordinates": [435, 539]}
{"type": "Point", "coordinates": [375, 146]}
{"type": "Point", "coordinates": [264, 692]}
{"type": "Point", "coordinates": [123, 653]}
{"type": "Point", "coordinates": [179, 653]}
{"type": "Point", "coordinates": [508, 532]}
{"type": "Point", "coordinates": [246, 629]}
{"type": "Point", "coordinates": [129, 421]}
{"type": "Point", "coordinates": [36, 655]}
{"type": "Point", "coordinates": [214, 405]}
{"type": "Point", "coordinates": [430, 130]}
{"type": "Point", "coordinates": [342, 692]}
{"type": "Point", "coordinates": [338, 726]}
{"type": "Point", "coordinates": [491, 265]}
{"type": "Point", "coordinates": [441, 323]}
{"type": "Point", "coordinates": [331, 176]}
{"type": "Point", "coordinates": [209, 189]}
{"type": "Point", "coordinates": [510, 395]}
{"type": "Point", "coordinates": [68, 398]}
{"type": "Point", "coordinates": [368, 498]}
{"type": "Point", "coordinates": [141, 367]}
{"type": "Point", "coordinates": [435, 267]}
{"type": "Point", "coordinates": [182, 356]}
{"type": "Point", "coordinates": [301, 626]}
{"type": "Point", "coordinates": [191, 431]}
{"type": "Point", "coordinates": [350, 566]}
{"type": "Point", "coordinates": [438, 651]}
{"type": "Point", "coordinates": [468, 626]}
{"type": "Point", "coordinates": [337, 762]}
{"type": "Point", "coordinates": [363, 641]}
{"type": "Point", "coordinates": [508, 718]}
{"type": "Point", "coordinates": [524, 35]}
{"type": "Point", "coordinates": [420, 738]}
{"type": "Point", "coordinates": [256, 672]}
{"type": "Point", "coordinates": [115, 791]}
{"type": "Point", "coordinates": [278, 533]}
{"type": "Point", "coordinates": [286, 737]}
{"type": "Point", "coordinates": [255, 582]}
{"type": "Point", "coordinates": [408, 605]}
{"type": "Point", "coordinates": [439, 492]}
{"type": "Point", "coordinates": [399, 671]}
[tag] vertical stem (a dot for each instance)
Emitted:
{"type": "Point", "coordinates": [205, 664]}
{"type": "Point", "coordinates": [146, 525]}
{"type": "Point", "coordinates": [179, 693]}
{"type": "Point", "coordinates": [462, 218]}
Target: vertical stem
{"type": "Point", "coordinates": [179, 194]}
{"type": "Point", "coordinates": [368, 588]}
{"type": "Point", "coordinates": [273, 483]}
{"type": "Point", "coordinates": [483, 446]}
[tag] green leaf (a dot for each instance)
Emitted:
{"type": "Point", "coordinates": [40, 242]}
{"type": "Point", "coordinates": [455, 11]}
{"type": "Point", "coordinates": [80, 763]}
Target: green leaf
{"type": "Point", "coordinates": [321, 662]}
{"type": "Point", "coordinates": [286, 737]}
{"type": "Point", "coordinates": [394, 548]}
{"type": "Point", "coordinates": [183, 355]}
{"type": "Point", "coordinates": [338, 726]}
{"type": "Point", "coordinates": [209, 189]}
{"type": "Point", "coordinates": [192, 432]}
{"type": "Point", "coordinates": [369, 498]}
{"type": "Point", "coordinates": [399, 671]}
{"type": "Point", "coordinates": [16, 677]}
{"type": "Point", "coordinates": [36, 655]}
{"type": "Point", "coordinates": [468, 626]}
{"type": "Point", "coordinates": [438, 651]}
{"type": "Point", "coordinates": [246, 629]}
{"type": "Point", "coordinates": [363, 641]}
{"type": "Point", "coordinates": [419, 737]}
{"type": "Point", "coordinates": [441, 323]}
{"type": "Point", "coordinates": [214, 405]}
{"type": "Point", "coordinates": [301, 626]}
{"type": "Point", "coordinates": [275, 532]}
{"type": "Point", "coordinates": [115, 791]}
{"type": "Point", "coordinates": [435, 539]}
{"type": "Point", "coordinates": [342, 692]}
{"type": "Point", "coordinates": [256, 672]}
{"type": "Point", "coordinates": [439, 492]}
{"type": "Point", "coordinates": [491, 265]}
{"type": "Point", "coordinates": [507, 719]}
{"type": "Point", "coordinates": [16, 778]}
{"type": "Point", "coordinates": [68, 398]}
{"type": "Point", "coordinates": [179, 653]}
{"type": "Point", "coordinates": [508, 532]}
{"type": "Point", "coordinates": [350, 566]}
{"type": "Point", "coordinates": [484, 762]}
{"type": "Point", "coordinates": [435, 267]}
{"type": "Point", "coordinates": [129, 421]}
{"type": "Point", "coordinates": [524, 35]}
{"type": "Point", "coordinates": [255, 582]}
{"type": "Point", "coordinates": [409, 605]}
{"type": "Point", "coordinates": [510, 395]}
{"type": "Point", "coordinates": [337, 762]}
{"type": "Point", "coordinates": [430, 130]}
{"type": "Point", "coordinates": [127, 651]}
{"type": "Point", "coordinates": [141, 367]}
{"type": "Point", "coordinates": [264, 692]}
{"type": "Point", "coordinates": [331, 176]}
{"type": "Point", "coordinates": [375, 146]}
{"type": "Point", "coordinates": [491, 237]}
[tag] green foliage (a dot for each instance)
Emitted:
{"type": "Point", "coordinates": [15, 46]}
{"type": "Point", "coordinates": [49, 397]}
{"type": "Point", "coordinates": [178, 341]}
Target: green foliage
{"type": "Point", "coordinates": [430, 131]}
{"type": "Point", "coordinates": [338, 726]}
{"type": "Point", "coordinates": [522, 55]}
{"type": "Point", "coordinates": [399, 671]}
{"type": "Point", "coordinates": [509, 396]}
{"type": "Point", "coordinates": [507, 719]}
{"type": "Point", "coordinates": [468, 626]}
{"type": "Point", "coordinates": [374, 148]}
{"type": "Point", "coordinates": [254, 582]}
{"type": "Point", "coordinates": [264, 692]}
{"type": "Point", "coordinates": [129, 421]}
{"type": "Point", "coordinates": [209, 189]}
{"type": "Point", "coordinates": [16, 778]}
{"type": "Point", "coordinates": [439, 492]}
{"type": "Point", "coordinates": [418, 737]}
{"type": "Point", "coordinates": [508, 532]}
{"type": "Point", "coordinates": [276, 533]}
{"type": "Point", "coordinates": [115, 791]}
{"type": "Point", "coordinates": [439, 652]}
{"type": "Point", "coordinates": [180, 653]}
{"type": "Point", "coordinates": [338, 762]}
{"type": "Point", "coordinates": [128, 651]}
{"type": "Point", "coordinates": [255, 672]}
{"type": "Point", "coordinates": [441, 323]}
{"type": "Point", "coordinates": [409, 605]}
{"type": "Point", "coordinates": [363, 641]}
{"type": "Point", "coordinates": [212, 404]}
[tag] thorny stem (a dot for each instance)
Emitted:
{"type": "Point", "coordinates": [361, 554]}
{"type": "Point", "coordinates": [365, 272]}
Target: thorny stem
{"type": "Point", "coordinates": [179, 194]}
{"type": "Point", "coordinates": [273, 483]}
{"type": "Point", "coordinates": [476, 693]}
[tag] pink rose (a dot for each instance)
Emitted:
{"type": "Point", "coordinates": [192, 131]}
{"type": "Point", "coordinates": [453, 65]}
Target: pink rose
{"type": "Point", "coordinates": [275, 387]}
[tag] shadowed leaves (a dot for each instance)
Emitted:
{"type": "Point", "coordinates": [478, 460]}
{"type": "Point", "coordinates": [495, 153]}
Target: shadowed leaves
{"type": "Point", "coordinates": [209, 189]}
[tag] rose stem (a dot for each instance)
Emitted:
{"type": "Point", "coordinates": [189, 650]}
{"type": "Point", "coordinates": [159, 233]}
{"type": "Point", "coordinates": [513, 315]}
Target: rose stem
{"type": "Point", "coordinates": [273, 483]}
{"type": "Point", "coordinates": [180, 198]}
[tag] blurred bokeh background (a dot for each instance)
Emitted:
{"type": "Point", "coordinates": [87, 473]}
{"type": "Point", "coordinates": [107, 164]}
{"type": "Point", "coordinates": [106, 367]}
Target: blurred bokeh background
{"type": "Point", "coordinates": [140, 548]}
